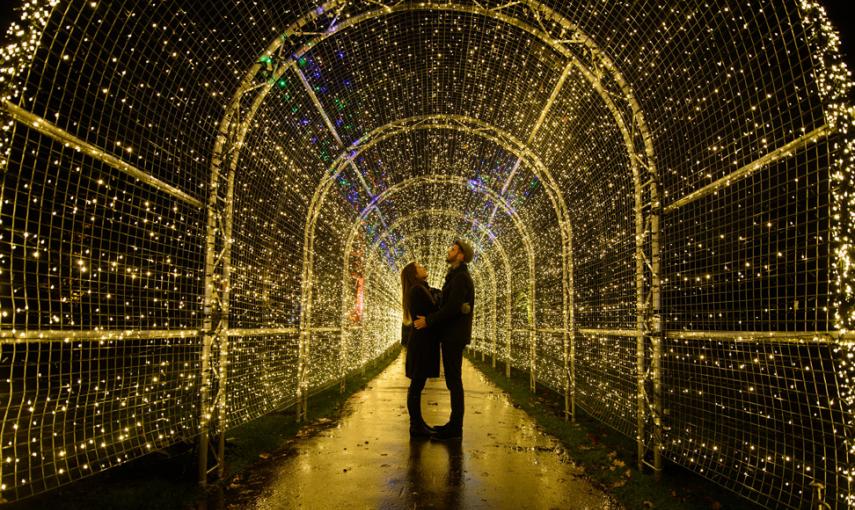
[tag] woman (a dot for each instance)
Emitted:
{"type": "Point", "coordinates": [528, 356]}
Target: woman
{"type": "Point", "coordinates": [423, 348]}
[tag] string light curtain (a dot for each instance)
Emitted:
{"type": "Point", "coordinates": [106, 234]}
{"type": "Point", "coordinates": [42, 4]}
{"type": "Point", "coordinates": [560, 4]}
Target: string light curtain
{"type": "Point", "coordinates": [206, 206]}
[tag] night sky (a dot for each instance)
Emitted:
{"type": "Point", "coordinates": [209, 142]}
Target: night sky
{"type": "Point", "coordinates": [7, 14]}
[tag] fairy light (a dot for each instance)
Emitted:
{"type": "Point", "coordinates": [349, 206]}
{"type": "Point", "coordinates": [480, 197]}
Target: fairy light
{"type": "Point", "coordinates": [835, 81]}
{"type": "Point", "coordinates": [22, 37]}
{"type": "Point", "coordinates": [529, 110]}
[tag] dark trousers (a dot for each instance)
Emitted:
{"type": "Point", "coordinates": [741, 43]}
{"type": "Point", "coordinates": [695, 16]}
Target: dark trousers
{"type": "Point", "coordinates": [452, 363]}
{"type": "Point", "coordinates": [414, 400]}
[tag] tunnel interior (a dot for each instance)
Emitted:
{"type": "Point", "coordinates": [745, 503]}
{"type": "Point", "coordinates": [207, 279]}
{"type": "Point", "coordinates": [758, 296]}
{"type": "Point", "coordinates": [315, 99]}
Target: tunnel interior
{"type": "Point", "coordinates": [206, 207]}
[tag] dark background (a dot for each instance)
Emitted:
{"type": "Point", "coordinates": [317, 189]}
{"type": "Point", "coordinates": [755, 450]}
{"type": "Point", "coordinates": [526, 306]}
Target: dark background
{"type": "Point", "coordinates": [839, 12]}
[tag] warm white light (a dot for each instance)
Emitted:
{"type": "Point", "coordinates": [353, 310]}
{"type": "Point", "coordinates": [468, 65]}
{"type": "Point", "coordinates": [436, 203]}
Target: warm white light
{"type": "Point", "coordinates": [589, 154]}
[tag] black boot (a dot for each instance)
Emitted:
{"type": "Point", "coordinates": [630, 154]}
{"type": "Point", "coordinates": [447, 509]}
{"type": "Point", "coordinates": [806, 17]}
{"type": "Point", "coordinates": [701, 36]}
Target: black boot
{"type": "Point", "coordinates": [447, 432]}
{"type": "Point", "coordinates": [419, 430]}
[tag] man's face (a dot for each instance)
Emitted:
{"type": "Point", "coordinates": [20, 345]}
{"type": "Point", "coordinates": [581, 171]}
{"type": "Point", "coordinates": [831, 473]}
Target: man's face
{"type": "Point", "coordinates": [454, 254]}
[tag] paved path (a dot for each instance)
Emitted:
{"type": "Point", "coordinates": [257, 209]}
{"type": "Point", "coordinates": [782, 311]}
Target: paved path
{"type": "Point", "coordinates": [367, 460]}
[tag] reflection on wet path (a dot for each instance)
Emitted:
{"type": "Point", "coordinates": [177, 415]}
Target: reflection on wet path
{"type": "Point", "coordinates": [367, 460]}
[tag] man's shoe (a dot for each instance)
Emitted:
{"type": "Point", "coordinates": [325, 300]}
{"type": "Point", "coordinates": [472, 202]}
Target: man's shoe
{"type": "Point", "coordinates": [447, 433]}
{"type": "Point", "coordinates": [420, 431]}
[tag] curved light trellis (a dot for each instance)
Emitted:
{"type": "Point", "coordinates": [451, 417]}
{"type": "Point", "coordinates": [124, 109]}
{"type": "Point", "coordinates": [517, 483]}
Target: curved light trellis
{"type": "Point", "coordinates": [479, 228]}
{"type": "Point", "coordinates": [205, 208]}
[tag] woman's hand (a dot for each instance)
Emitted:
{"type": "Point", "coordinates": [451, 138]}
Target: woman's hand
{"type": "Point", "coordinates": [420, 322]}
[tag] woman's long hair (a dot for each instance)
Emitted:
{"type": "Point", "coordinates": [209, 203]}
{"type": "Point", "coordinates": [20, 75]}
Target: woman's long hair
{"type": "Point", "coordinates": [409, 279]}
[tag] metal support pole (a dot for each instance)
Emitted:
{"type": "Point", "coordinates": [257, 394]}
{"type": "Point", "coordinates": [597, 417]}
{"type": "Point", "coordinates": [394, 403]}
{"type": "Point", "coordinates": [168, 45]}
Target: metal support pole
{"type": "Point", "coordinates": [532, 352]}
{"type": "Point", "coordinates": [51, 130]}
{"type": "Point", "coordinates": [301, 374]}
{"type": "Point", "coordinates": [573, 377]}
{"type": "Point", "coordinates": [346, 279]}
{"type": "Point", "coordinates": [495, 330]}
{"type": "Point", "coordinates": [649, 324]}
{"type": "Point", "coordinates": [532, 328]}
{"type": "Point", "coordinates": [216, 306]}
{"type": "Point", "coordinates": [656, 333]}
{"type": "Point", "coordinates": [566, 378]}
{"type": "Point", "coordinates": [639, 353]}
{"type": "Point", "coordinates": [569, 336]}
{"type": "Point", "coordinates": [204, 415]}
{"type": "Point", "coordinates": [224, 323]}
{"type": "Point", "coordinates": [208, 330]}
{"type": "Point", "coordinates": [508, 350]}
{"type": "Point", "coordinates": [342, 383]}
{"type": "Point", "coordinates": [640, 329]}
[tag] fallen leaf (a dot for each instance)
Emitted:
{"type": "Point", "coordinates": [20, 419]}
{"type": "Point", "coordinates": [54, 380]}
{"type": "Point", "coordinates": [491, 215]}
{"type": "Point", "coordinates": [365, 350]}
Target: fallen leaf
{"type": "Point", "coordinates": [264, 455]}
{"type": "Point", "coordinates": [619, 483]}
{"type": "Point", "coordinates": [648, 504]}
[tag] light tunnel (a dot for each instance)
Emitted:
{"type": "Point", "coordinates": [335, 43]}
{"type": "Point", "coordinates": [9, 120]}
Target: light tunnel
{"type": "Point", "coordinates": [206, 207]}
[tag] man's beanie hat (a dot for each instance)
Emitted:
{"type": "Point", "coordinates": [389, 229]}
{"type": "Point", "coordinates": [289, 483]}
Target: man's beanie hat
{"type": "Point", "coordinates": [466, 248]}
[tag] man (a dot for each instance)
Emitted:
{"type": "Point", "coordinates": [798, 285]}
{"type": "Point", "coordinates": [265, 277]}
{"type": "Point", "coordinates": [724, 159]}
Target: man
{"type": "Point", "coordinates": [454, 322]}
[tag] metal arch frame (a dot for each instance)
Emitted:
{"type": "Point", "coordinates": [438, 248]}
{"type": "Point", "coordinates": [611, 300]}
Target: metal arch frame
{"type": "Point", "coordinates": [494, 286]}
{"type": "Point", "coordinates": [491, 272]}
{"type": "Point", "coordinates": [649, 324]}
{"type": "Point", "coordinates": [647, 195]}
{"type": "Point", "coordinates": [503, 255]}
{"type": "Point", "coordinates": [432, 230]}
{"type": "Point", "coordinates": [493, 282]}
{"type": "Point", "coordinates": [459, 123]}
{"type": "Point", "coordinates": [461, 181]}
{"type": "Point", "coordinates": [482, 130]}
{"type": "Point", "coordinates": [500, 249]}
{"type": "Point", "coordinates": [217, 295]}
{"type": "Point", "coordinates": [640, 150]}
{"type": "Point", "coordinates": [374, 269]}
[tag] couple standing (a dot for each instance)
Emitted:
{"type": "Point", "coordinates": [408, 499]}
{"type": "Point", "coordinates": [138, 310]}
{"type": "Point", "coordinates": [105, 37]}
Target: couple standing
{"type": "Point", "coordinates": [438, 322]}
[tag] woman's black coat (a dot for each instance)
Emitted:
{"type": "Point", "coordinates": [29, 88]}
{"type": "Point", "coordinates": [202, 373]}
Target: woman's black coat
{"type": "Point", "coordinates": [423, 349]}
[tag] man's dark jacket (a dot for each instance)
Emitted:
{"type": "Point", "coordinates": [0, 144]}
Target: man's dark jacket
{"type": "Point", "coordinates": [454, 326]}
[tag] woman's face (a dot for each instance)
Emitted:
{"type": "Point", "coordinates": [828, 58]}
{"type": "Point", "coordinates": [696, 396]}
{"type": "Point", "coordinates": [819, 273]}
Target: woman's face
{"type": "Point", "coordinates": [421, 272]}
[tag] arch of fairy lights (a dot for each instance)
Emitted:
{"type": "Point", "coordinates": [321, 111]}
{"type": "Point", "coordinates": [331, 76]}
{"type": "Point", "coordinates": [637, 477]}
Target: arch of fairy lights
{"type": "Point", "coordinates": [201, 225]}
{"type": "Point", "coordinates": [493, 346]}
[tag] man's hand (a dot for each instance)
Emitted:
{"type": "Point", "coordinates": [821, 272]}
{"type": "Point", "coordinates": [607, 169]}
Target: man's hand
{"type": "Point", "coordinates": [420, 322]}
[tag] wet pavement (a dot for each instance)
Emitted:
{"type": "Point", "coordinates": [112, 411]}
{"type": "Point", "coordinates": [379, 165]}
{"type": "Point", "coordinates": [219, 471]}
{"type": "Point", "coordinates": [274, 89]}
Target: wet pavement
{"type": "Point", "coordinates": [367, 459]}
